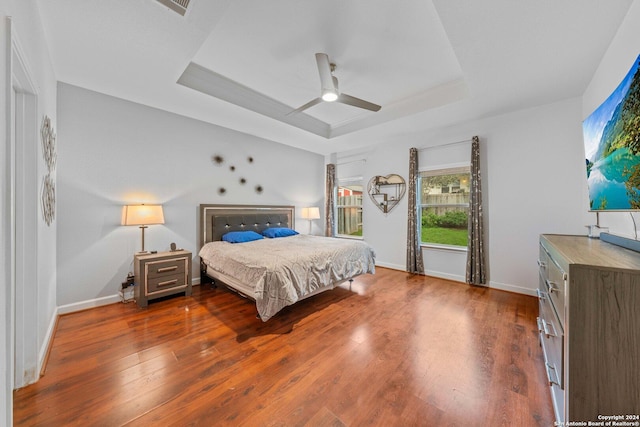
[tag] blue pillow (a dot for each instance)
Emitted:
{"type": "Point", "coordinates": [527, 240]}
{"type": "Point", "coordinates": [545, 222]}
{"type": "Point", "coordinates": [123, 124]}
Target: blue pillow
{"type": "Point", "coordinates": [279, 232]}
{"type": "Point", "coordinates": [241, 236]}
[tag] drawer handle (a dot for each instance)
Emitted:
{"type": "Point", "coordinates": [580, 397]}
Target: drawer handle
{"type": "Point", "coordinates": [541, 295]}
{"type": "Point", "coordinates": [543, 326]}
{"type": "Point", "coordinates": [554, 380]}
{"type": "Point", "coordinates": [553, 287]}
{"type": "Point", "coordinates": [168, 282]}
{"type": "Point", "coordinates": [542, 264]}
{"type": "Point", "coordinates": [165, 269]}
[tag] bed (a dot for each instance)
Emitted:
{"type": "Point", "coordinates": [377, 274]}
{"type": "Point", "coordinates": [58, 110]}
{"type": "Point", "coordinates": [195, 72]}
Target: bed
{"type": "Point", "coordinates": [279, 271]}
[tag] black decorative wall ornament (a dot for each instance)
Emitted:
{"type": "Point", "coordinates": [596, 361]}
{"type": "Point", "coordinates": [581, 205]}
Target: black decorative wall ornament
{"type": "Point", "coordinates": [217, 159]}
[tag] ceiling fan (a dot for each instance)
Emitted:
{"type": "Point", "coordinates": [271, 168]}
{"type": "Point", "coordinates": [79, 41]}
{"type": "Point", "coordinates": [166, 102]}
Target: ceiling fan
{"type": "Point", "coordinates": [329, 89]}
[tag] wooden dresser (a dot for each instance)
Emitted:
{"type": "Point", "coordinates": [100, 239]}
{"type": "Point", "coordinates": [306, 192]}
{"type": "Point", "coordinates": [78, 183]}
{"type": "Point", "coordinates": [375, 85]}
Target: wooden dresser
{"type": "Point", "coordinates": [589, 294]}
{"type": "Point", "coordinates": [161, 274]}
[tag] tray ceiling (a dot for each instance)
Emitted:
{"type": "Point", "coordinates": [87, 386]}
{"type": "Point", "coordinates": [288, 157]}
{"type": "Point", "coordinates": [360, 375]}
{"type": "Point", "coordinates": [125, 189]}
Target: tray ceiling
{"type": "Point", "coordinates": [244, 65]}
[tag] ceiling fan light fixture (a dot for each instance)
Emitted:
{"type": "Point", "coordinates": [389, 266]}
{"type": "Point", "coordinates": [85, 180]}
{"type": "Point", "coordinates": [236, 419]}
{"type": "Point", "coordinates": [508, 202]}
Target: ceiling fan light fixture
{"type": "Point", "coordinates": [329, 89]}
{"type": "Point", "coordinates": [329, 96]}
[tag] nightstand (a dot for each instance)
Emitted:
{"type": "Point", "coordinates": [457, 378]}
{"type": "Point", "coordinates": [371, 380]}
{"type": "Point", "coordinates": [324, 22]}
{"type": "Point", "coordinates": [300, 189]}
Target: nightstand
{"type": "Point", "coordinates": [161, 274]}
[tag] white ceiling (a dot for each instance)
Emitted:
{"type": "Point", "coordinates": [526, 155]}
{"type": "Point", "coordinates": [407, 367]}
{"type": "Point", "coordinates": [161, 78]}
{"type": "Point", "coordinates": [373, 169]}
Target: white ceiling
{"type": "Point", "coordinates": [245, 64]}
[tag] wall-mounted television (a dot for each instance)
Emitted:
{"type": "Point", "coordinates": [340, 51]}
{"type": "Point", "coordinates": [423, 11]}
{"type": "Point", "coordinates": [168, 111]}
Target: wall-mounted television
{"type": "Point", "coordinates": [612, 148]}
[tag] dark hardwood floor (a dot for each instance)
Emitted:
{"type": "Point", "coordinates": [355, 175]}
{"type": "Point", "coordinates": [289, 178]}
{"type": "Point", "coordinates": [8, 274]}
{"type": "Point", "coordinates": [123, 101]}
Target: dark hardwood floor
{"type": "Point", "coordinates": [394, 350]}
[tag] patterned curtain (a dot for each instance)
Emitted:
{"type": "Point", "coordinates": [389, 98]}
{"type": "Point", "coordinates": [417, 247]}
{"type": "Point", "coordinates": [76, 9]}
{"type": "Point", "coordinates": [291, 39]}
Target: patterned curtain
{"type": "Point", "coordinates": [414, 252]}
{"type": "Point", "coordinates": [330, 202]}
{"type": "Point", "coordinates": [476, 268]}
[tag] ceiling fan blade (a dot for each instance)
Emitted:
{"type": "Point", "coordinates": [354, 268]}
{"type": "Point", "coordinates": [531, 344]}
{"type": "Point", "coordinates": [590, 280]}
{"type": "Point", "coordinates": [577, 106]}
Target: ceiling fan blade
{"type": "Point", "coordinates": [357, 102]}
{"type": "Point", "coordinates": [324, 69]}
{"type": "Point", "coordinates": [305, 106]}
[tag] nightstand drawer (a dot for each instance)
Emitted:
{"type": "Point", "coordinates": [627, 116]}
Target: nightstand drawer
{"type": "Point", "coordinates": [162, 283]}
{"type": "Point", "coordinates": [168, 267]}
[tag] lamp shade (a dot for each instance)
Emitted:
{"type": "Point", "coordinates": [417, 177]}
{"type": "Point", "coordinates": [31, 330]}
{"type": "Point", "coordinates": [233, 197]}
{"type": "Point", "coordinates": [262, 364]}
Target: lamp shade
{"type": "Point", "coordinates": [142, 215]}
{"type": "Point", "coordinates": [310, 213]}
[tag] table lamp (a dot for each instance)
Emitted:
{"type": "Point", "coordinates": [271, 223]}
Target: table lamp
{"type": "Point", "coordinates": [142, 216]}
{"type": "Point", "coordinates": [310, 214]}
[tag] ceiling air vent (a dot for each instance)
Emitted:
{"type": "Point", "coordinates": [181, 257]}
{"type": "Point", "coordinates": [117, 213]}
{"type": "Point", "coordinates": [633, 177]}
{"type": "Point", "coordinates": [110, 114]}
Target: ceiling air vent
{"type": "Point", "coordinates": [178, 6]}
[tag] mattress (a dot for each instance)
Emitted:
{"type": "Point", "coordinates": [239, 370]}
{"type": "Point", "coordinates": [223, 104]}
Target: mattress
{"type": "Point", "coordinates": [279, 272]}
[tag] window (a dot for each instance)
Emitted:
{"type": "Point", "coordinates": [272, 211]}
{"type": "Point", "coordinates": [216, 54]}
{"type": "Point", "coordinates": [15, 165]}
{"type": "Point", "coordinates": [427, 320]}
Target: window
{"type": "Point", "coordinates": [443, 201]}
{"type": "Point", "coordinates": [349, 207]}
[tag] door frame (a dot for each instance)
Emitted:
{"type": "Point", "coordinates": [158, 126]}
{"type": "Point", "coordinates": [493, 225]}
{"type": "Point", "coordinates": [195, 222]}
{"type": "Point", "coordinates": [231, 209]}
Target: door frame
{"type": "Point", "coordinates": [23, 214]}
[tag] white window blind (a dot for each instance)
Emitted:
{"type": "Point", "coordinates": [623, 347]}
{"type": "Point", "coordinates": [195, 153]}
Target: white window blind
{"type": "Point", "coordinates": [445, 156]}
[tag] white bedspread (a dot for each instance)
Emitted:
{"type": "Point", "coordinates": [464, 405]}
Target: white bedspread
{"type": "Point", "coordinates": [286, 269]}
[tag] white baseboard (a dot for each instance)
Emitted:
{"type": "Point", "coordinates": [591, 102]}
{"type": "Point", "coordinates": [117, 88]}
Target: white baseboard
{"type": "Point", "coordinates": [447, 276]}
{"type": "Point", "coordinates": [391, 266]}
{"type": "Point", "coordinates": [512, 288]}
{"type": "Point", "coordinates": [98, 302]}
{"type": "Point", "coordinates": [46, 343]}
{"type": "Point", "coordinates": [492, 284]}
{"type": "Point", "coordinates": [83, 305]}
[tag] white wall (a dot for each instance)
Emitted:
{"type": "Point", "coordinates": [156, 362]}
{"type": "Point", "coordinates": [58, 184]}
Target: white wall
{"type": "Point", "coordinates": [533, 182]}
{"type": "Point", "coordinates": [113, 152]}
{"type": "Point", "coordinates": [27, 29]}
{"type": "Point", "coordinates": [615, 64]}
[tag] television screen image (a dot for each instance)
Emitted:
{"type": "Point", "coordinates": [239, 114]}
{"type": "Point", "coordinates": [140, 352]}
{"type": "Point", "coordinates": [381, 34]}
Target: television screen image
{"type": "Point", "coordinates": [612, 148]}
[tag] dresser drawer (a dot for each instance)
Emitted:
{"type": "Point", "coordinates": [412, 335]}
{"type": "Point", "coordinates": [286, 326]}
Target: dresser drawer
{"type": "Point", "coordinates": [556, 288]}
{"type": "Point", "coordinates": [543, 263]}
{"type": "Point", "coordinates": [543, 296]}
{"type": "Point", "coordinates": [551, 334]}
{"type": "Point", "coordinates": [554, 282]}
{"type": "Point", "coordinates": [557, 399]}
{"type": "Point", "coordinates": [552, 340]}
{"type": "Point", "coordinates": [167, 267]}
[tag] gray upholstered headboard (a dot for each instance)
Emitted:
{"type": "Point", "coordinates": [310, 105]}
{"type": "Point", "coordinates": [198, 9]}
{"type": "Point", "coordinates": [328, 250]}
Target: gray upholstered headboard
{"type": "Point", "coordinates": [216, 220]}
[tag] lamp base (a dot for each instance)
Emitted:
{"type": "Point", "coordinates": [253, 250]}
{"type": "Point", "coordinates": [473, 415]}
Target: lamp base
{"type": "Point", "coordinates": [142, 227]}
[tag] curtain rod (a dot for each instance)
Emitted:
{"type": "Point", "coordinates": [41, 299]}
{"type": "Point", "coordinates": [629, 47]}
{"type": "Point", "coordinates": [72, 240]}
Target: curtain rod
{"type": "Point", "coordinates": [445, 145]}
